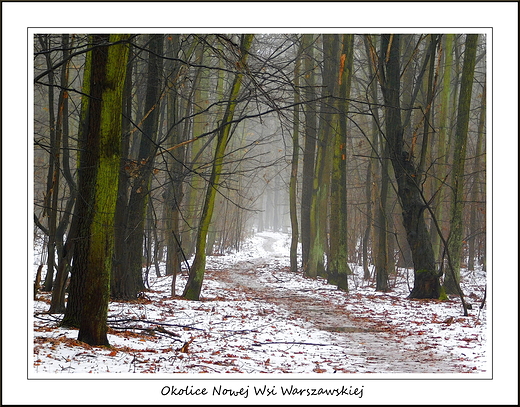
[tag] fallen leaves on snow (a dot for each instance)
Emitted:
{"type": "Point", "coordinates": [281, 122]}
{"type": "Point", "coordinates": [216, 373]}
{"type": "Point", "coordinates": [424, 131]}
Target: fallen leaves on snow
{"type": "Point", "coordinates": [256, 316]}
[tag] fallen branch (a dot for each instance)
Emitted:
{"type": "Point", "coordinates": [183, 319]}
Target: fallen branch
{"type": "Point", "coordinates": [51, 318]}
{"type": "Point", "coordinates": [165, 331]}
{"type": "Point", "coordinates": [154, 323]}
{"type": "Point", "coordinates": [149, 331]}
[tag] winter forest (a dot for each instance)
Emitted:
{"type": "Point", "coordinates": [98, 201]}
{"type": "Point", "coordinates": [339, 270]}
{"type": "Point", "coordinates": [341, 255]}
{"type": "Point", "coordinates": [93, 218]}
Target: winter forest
{"type": "Point", "coordinates": [154, 152]}
{"type": "Point", "coordinates": [259, 203]}
{"type": "Point", "coordinates": [269, 203]}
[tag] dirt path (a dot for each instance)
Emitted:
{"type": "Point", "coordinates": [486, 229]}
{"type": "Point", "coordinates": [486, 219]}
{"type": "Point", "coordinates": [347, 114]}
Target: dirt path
{"type": "Point", "coordinates": [379, 351]}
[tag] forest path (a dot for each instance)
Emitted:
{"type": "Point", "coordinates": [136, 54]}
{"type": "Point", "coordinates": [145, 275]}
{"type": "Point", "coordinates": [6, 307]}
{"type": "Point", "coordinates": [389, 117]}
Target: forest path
{"type": "Point", "coordinates": [376, 349]}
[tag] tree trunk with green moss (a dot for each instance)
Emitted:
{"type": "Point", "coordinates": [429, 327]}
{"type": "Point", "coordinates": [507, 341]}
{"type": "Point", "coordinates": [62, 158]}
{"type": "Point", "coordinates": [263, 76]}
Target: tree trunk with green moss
{"type": "Point", "coordinates": [194, 284]}
{"type": "Point", "coordinates": [476, 186]}
{"type": "Point", "coordinates": [98, 185]}
{"type": "Point", "coordinates": [197, 101]}
{"type": "Point", "coordinates": [459, 158]}
{"type": "Point", "coordinates": [337, 266]}
{"type": "Point", "coordinates": [309, 149]}
{"type": "Point", "coordinates": [319, 244]}
{"type": "Point", "coordinates": [442, 148]}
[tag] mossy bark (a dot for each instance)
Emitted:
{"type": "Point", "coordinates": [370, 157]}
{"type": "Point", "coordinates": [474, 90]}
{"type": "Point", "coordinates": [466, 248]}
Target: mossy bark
{"type": "Point", "coordinates": [98, 183]}
{"type": "Point", "coordinates": [194, 284]}
{"type": "Point", "coordinates": [320, 202]}
{"type": "Point", "coordinates": [459, 158]}
{"type": "Point", "coordinates": [309, 149]}
{"type": "Point", "coordinates": [476, 186]}
{"type": "Point", "coordinates": [338, 268]}
{"type": "Point", "coordinates": [442, 148]}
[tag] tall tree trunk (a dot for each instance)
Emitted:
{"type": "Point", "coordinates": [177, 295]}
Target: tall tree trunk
{"type": "Point", "coordinates": [338, 268]}
{"type": "Point", "coordinates": [381, 260]}
{"type": "Point", "coordinates": [322, 173]}
{"type": "Point", "coordinates": [442, 150]}
{"type": "Point", "coordinates": [459, 158]}
{"type": "Point", "coordinates": [294, 166]}
{"type": "Point", "coordinates": [196, 276]}
{"type": "Point", "coordinates": [58, 289]}
{"type": "Point", "coordinates": [426, 281]}
{"type": "Point", "coordinates": [309, 146]}
{"type": "Point", "coordinates": [139, 195]}
{"type": "Point", "coordinates": [198, 102]}
{"type": "Point", "coordinates": [98, 175]}
{"type": "Point", "coordinates": [370, 197]}
{"type": "Point", "coordinates": [174, 162]}
{"type": "Point", "coordinates": [50, 205]}
{"type": "Point", "coordinates": [79, 237]}
{"type": "Point", "coordinates": [381, 250]}
{"type": "Point", "coordinates": [475, 188]}
{"type": "Point", "coordinates": [120, 276]}
{"type": "Point", "coordinates": [372, 179]}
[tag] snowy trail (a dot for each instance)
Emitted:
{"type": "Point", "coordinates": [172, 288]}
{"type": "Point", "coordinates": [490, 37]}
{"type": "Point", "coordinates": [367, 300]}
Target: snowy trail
{"type": "Point", "coordinates": [376, 349]}
{"type": "Point", "coordinates": [256, 316]}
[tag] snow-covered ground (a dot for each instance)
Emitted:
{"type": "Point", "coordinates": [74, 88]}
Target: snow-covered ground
{"type": "Point", "coordinates": [257, 320]}
{"type": "Point", "coordinates": [242, 326]}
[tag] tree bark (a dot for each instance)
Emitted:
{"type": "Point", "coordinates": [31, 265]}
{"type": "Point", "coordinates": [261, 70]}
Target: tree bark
{"type": "Point", "coordinates": [459, 158]}
{"type": "Point", "coordinates": [381, 260]}
{"type": "Point", "coordinates": [174, 163]}
{"type": "Point", "coordinates": [132, 259]}
{"type": "Point", "coordinates": [58, 289]}
{"type": "Point", "coordinates": [426, 278]}
{"type": "Point", "coordinates": [475, 188]}
{"type": "Point", "coordinates": [442, 148]}
{"type": "Point", "coordinates": [98, 175]}
{"type": "Point", "coordinates": [319, 243]}
{"type": "Point", "coordinates": [72, 316]}
{"type": "Point", "coordinates": [119, 278]}
{"type": "Point", "coordinates": [194, 284]}
{"type": "Point", "coordinates": [309, 150]}
{"type": "Point", "coordinates": [50, 205]}
{"type": "Point", "coordinates": [372, 179]}
{"type": "Point", "coordinates": [337, 266]}
{"type": "Point", "coordinates": [294, 167]}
